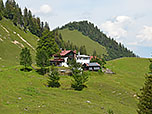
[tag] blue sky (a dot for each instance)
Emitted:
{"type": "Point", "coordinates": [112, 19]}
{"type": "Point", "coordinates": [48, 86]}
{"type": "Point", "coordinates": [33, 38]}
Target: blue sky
{"type": "Point", "coordinates": [127, 21]}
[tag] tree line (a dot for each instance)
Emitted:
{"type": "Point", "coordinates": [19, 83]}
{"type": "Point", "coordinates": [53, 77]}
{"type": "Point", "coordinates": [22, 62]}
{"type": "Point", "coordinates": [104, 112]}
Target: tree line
{"type": "Point", "coordinates": [25, 20]}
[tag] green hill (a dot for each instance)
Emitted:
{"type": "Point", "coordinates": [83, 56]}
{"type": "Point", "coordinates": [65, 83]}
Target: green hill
{"type": "Point", "coordinates": [116, 92]}
{"type": "Point", "coordinates": [12, 40]}
{"type": "Point", "coordinates": [77, 38]}
{"type": "Point", "coordinates": [114, 49]}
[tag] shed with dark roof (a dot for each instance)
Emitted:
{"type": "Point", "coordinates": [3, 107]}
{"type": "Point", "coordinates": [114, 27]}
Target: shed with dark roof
{"type": "Point", "coordinates": [92, 66]}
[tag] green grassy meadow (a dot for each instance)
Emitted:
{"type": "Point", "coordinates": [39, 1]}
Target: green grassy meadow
{"type": "Point", "coordinates": [26, 92]}
{"type": "Point", "coordinates": [9, 51]}
{"type": "Point", "coordinates": [79, 39]}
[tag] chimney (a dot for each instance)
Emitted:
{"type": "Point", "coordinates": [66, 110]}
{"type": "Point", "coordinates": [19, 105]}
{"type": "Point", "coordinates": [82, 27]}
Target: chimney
{"type": "Point", "coordinates": [64, 50]}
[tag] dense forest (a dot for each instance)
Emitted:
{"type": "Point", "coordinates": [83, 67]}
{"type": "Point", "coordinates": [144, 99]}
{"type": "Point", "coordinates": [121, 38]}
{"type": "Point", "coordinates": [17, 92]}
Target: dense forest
{"type": "Point", "coordinates": [114, 49]}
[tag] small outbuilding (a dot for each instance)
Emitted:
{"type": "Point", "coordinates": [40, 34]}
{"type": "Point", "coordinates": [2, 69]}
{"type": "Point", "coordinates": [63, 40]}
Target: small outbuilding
{"type": "Point", "coordinates": [92, 66]}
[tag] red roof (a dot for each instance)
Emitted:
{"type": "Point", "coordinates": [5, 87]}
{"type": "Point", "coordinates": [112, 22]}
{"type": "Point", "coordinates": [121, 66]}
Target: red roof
{"type": "Point", "coordinates": [63, 53]}
{"type": "Point", "coordinates": [91, 57]}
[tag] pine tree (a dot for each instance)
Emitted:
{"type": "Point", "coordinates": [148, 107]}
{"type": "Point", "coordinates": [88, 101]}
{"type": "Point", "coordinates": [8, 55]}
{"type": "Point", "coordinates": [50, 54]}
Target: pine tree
{"type": "Point", "coordinates": [10, 7]}
{"type": "Point", "coordinates": [1, 7]}
{"type": "Point", "coordinates": [25, 58]}
{"type": "Point", "coordinates": [145, 97]}
{"type": "Point", "coordinates": [54, 78]}
{"type": "Point", "coordinates": [47, 42]}
{"type": "Point", "coordinates": [46, 26]}
{"type": "Point", "coordinates": [42, 59]}
{"type": "Point", "coordinates": [79, 81]}
{"type": "Point", "coordinates": [25, 18]}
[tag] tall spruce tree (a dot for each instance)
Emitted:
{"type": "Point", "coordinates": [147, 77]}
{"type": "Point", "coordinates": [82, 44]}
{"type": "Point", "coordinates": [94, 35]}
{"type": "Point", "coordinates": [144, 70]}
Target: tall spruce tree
{"type": "Point", "coordinates": [145, 97]}
{"type": "Point", "coordinates": [25, 58]}
{"type": "Point", "coordinates": [10, 7]}
{"type": "Point", "coordinates": [42, 59]}
{"type": "Point", "coordinates": [47, 42]}
{"type": "Point", "coordinates": [25, 18]}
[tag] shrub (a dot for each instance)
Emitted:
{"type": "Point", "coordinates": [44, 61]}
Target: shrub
{"type": "Point", "coordinates": [110, 111]}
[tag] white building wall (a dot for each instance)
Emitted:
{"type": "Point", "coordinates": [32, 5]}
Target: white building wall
{"type": "Point", "coordinates": [82, 60]}
{"type": "Point", "coordinates": [65, 62]}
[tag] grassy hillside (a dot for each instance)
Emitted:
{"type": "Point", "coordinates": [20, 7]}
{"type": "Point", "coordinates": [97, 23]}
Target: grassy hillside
{"type": "Point", "coordinates": [12, 39]}
{"type": "Point", "coordinates": [114, 49]}
{"type": "Point", "coordinates": [104, 92]}
{"type": "Point", "coordinates": [79, 39]}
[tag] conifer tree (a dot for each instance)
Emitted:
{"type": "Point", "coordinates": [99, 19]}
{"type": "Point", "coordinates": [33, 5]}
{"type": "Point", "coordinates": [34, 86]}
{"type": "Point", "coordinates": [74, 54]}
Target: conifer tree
{"type": "Point", "coordinates": [42, 59]}
{"type": "Point", "coordinates": [1, 7]}
{"type": "Point", "coordinates": [54, 78]}
{"type": "Point", "coordinates": [145, 97]}
{"type": "Point", "coordinates": [47, 42]}
{"type": "Point", "coordinates": [25, 18]}
{"type": "Point", "coordinates": [10, 7]}
{"type": "Point", "coordinates": [25, 58]}
{"type": "Point", "coordinates": [46, 26]}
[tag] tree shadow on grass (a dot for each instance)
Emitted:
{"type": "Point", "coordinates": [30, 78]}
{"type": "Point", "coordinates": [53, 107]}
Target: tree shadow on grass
{"type": "Point", "coordinates": [42, 71]}
{"type": "Point", "coordinates": [26, 69]}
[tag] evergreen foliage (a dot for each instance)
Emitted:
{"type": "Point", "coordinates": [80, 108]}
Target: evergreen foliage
{"type": "Point", "coordinates": [1, 9]}
{"type": "Point", "coordinates": [53, 78]}
{"type": "Point", "coordinates": [83, 50]}
{"type": "Point", "coordinates": [42, 59]}
{"type": "Point", "coordinates": [25, 58]}
{"type": "Point", "coordinates": [79, 80]}
{"type": "Point", "coordinates": [79, 77]}
{"type": "Point", "coordinates": [145, 97]}
{"type": "Point", "coordinates": [110, 111]}
{"type": "Point", "coordinates": [150, 67]}
{"type": "Point", "coordinates": [115, 50]}
{"type": "Point", "coordinates": [47, 43]}
{"type": "Point", "coordinates": [74, 66]}
{"type": "Point", "coordinates": [1, 16]}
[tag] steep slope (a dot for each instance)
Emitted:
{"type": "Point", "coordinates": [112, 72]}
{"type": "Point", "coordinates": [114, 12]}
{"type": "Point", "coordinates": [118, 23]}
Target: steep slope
{"type": "Point", "coordinates": [116, 92]}
{"type": "Point", "coordinates": [12, 40]}
{"type": "Point", "coordinates": [77, 38]}
{"type": "Point", "coordinates": [114, 49]}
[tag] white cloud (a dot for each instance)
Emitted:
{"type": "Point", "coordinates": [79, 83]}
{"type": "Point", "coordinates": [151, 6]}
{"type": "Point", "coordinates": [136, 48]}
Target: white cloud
{"type": "Point", "coordinates": [45, 9]}
{"type": "Point", "coordinates": [117, 28]}
{"type": "Point", "coordinates": [143, 38]}
{"type": "Point", "coordinates": [145, 34]}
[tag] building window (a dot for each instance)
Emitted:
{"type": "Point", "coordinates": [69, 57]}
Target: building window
{"type": "Point", "coordinates": [90, 68]}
